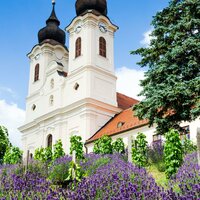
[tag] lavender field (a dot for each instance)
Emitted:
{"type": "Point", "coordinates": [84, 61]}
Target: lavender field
{"type": "Point", "coordinates": [105, 177]}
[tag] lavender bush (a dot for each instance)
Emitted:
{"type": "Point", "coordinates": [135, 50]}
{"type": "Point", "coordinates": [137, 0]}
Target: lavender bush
{"type": "Point", "coordinates": [156, 155]}
{"type": "Point", "coordinates": [188, 177]}
{"type": "Point", "coordinates": [107, 177]}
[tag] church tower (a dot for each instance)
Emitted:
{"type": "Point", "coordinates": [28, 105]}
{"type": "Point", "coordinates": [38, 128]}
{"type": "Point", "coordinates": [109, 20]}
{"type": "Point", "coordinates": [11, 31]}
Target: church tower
{"type": "Point", "coordinates": [71, 92]}
{"type": "Point", "coordinates": [91, 64]}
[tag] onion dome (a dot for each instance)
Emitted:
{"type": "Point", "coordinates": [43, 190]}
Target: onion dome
{"type": "Point", "coordinates": [52, 30]}
{"type": "Point", "coordinates": [97, 5]}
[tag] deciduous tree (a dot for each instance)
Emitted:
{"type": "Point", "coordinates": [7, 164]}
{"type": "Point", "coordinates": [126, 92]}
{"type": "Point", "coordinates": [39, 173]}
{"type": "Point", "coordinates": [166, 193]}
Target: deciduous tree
{"type": "Point", "coordinates": [4, 142]}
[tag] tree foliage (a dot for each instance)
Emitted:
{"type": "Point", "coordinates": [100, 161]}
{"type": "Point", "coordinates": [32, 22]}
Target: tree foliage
{"type": "Point", "coordinates": [188, 146]}
{"type": "Point", "coordinates": [13, 155]}
{"type": "Point", "coordinates": [173, 152]}
{"type": "Point", "coordinates": [118, 145]}
{"type": "Point", "coordinates": [43, 154]}
{"type": "Point", "coordinates": [172, 83]}
{"type": "Point", "coordinates": [77, 146]}
{"type": "Point", "coordinates": [75, 172]}
{"type": "Point", "coordinates": [58, 150]}
{"type": "Point", "coordinates": [103, 145]}
{"type": "Point", "coordinates": [139, 150]}
{"type": "Point", "coordinates": [4, 142]}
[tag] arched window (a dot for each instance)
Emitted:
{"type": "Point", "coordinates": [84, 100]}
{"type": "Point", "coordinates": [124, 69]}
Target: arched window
{"type": "Point", "coordinates": [49, 141]}
{"type": "Point", "coordinates": [31, 156]}
{"type": "Point", "coordinates": [36, 75]}
{"type": "Point", "coordinates": [102, 47]}
{"type": "Point", "coordinates": [78, 47]}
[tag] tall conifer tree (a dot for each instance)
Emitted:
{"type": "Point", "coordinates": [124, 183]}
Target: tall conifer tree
{"type": "Point", "coordinates": [172, 83]}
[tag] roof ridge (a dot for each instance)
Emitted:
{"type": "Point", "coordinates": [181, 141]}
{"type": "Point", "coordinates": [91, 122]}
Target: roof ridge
{"type": "Point", "coordinates": [127, 96]}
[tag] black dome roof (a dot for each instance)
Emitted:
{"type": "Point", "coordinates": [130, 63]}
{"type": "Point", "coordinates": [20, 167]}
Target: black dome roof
{"type": "Point", "coordinates": [52, 30]}
{"type": "Point", "coordinates": [97, 5]}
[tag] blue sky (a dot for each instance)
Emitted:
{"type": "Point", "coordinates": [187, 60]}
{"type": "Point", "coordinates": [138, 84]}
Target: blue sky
{"type": "Point", "coordinates": [20, 23]}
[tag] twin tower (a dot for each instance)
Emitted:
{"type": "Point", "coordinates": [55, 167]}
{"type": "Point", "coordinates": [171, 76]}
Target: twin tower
{"type": "Point", "coordinates": [71, 91]}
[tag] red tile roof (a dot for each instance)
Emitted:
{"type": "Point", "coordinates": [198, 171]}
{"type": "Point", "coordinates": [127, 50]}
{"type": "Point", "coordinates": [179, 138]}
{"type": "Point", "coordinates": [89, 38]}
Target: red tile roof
{"type": "Point", "coordinates": [128, 122]}
{"type": "Point", "coordinates": [125, 102]}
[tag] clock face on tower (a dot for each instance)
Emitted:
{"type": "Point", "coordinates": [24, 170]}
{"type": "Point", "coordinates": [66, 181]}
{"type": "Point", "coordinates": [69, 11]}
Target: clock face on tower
{"type": "Point", "coordinates": [102, 27]}
{"type": "Point", "coordinates": [78, 27]}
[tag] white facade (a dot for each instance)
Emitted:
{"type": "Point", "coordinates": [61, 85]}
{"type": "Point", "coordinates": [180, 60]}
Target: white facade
{"type": "Point", "coordinates": [75, 95]}
{"type": "Point", "coordinates": [79, 103]}
{"type": "Point", "coordinates": [130, 135]}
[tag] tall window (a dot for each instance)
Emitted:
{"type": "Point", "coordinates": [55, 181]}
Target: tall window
{"type": "Point", "coordinates": [157, 138]}
{"type": "Point", "coordinates": [102, 47]}
{"type": "Point", "coordinates": [49, 141]}
{"type": "Point", "coordinates": [78, 47]}
{"type": "Point", "coordinates": [51, 100]}
{"type": "Point", "coordinates": [36, 75]}
{"type": "Point", "coordinates": [52, 83]}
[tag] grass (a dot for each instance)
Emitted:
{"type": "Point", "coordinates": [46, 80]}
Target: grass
{"type": "Point", "coordinates": [159, 177]}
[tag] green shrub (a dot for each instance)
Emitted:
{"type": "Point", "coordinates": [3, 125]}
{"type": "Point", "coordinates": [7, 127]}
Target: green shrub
{"type": "Point", "coordinates": [188, 146]}
{"type": "Point", "coordinates": [13, 155]}
{"type": "Point", "coordinates": [173, 152]}
{"type": "Point", "coordinates": [103, 145]}
{"type": "Point", "coordinates": [118, 146]}
{"type": "Point", "coordinates": [58, 150]}
{"type": "Point", "coordinates": [39, 154]}
{"type": "Point", "coordinates": [75, 174]}
{"type": "Point", "coordinates": [77, 146]}
{"type": "Point", "coordinates": [43, 154]}
{"type": "Point", "coordinates": [156, 155]}
{"type": "Point", "coordinates": [160, 166]}
{"type": "Point", "coordinates": [36, 166]}
{"type": "Point", "coordinates": [139, 150]}
{"type": "Point", "coordinates": [59, 173]}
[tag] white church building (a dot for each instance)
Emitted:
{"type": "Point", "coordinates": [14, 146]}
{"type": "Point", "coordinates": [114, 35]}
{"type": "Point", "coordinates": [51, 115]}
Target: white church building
{"type": "Point", "coordinates": [73, 91]}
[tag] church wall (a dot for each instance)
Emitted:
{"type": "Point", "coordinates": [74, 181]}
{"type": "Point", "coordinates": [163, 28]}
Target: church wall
{"type": "Point", "coordinates": [149, 132]}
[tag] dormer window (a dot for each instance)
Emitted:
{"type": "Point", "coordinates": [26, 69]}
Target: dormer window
{"type": "Point", "coordinates": [78, 47]}
{"type": "Point", "coordinates": [120, 124]}
{"type": "Point", "coordinates": [102, 47]}
{"type": "Point", "coordinates": [36, 74]}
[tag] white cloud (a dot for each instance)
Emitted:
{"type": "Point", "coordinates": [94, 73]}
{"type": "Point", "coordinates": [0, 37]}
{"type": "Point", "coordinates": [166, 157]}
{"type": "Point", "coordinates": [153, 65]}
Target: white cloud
{"type": "Point", "coordinates": [128, 81]}
{"type": "Point", "coordinates": [7, 90]}
{"type": "Point", "coordinates": [147, 38]}
{"type": "Point", "coordinates": [11, 116]}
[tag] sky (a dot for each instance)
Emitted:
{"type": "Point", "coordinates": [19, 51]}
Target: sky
{"type": "Point", "coordinates": [22, 19]}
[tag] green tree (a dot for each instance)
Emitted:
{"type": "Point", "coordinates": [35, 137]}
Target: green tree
{"type": "Point", "coordinates": [173, 152]}
{"type": "Point", "coordinates": [13, 155]}
{"type": "Point", "coordinates": [118, 145]}
{"type": "Point", "coordinates": [4, 142]}
{"type": "Point", "coordinates": [58, 150]}
{"type": "Point", "coordinates": [172, 83]}
{"type": "Point", "coordinates": [139, 150]}
{"type": "Point", "coordinates": [103, 145]}
{"type": "Point", "coordinates": [77, 146]}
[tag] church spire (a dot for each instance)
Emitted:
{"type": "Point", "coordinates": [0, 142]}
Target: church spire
{"type": "Point", "coordinates": [52, 30]}
{"type": "Point", "coordinates": [53, 17]}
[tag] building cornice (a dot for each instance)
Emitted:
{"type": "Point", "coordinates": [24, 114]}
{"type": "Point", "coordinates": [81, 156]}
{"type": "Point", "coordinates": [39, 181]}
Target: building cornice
{"type": "Point", "coordinates": [87, 102]}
